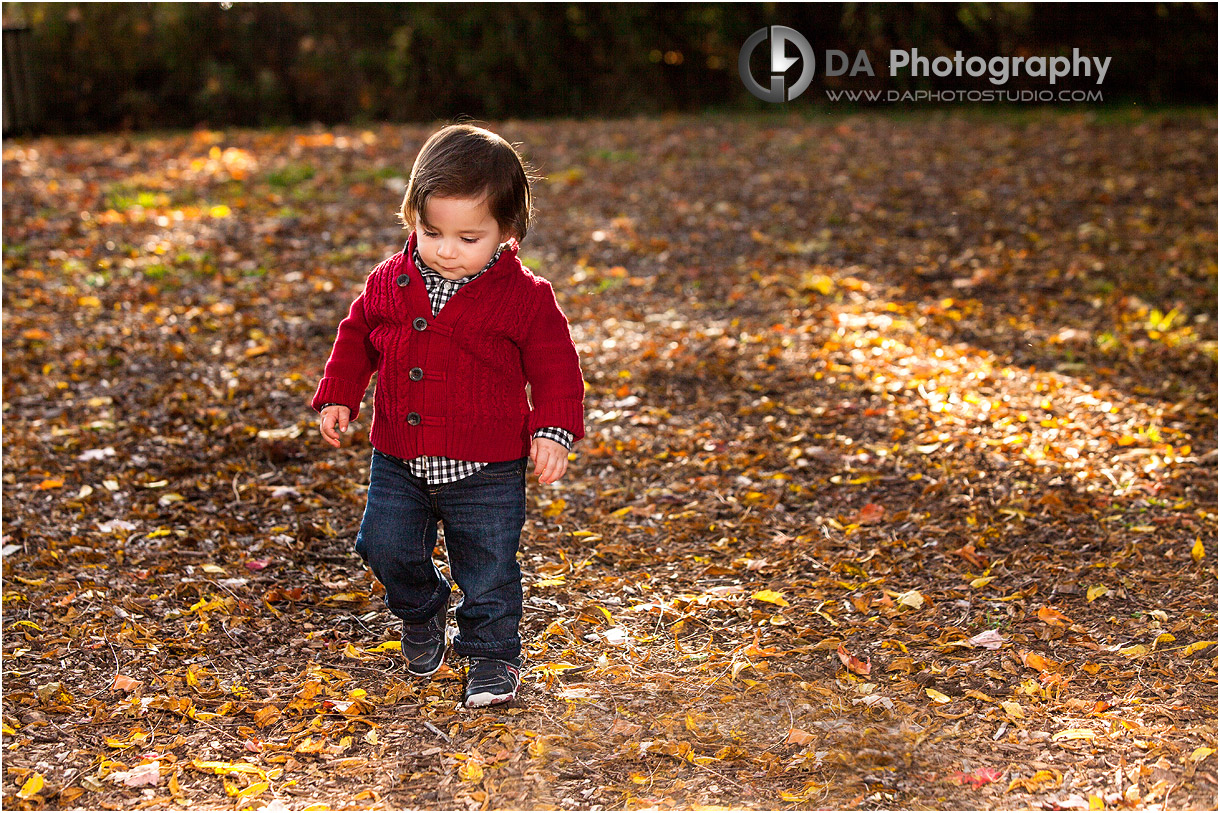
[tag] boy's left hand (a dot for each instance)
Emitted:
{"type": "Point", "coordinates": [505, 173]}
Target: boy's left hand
{"type": "Point", "coordinates": [550, 459]}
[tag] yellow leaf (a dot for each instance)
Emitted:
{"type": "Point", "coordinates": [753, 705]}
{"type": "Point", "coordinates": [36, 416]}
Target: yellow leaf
{"type": "Point", "coordinates": [351, 652]}
{"type": "Point", "coordinates": [1013, 709]}
{"type": "Point", "coordinates": [771, 597]}
{"type": "Point", "coordinates": [470, 771]}
{"type": "Point", "coordinates": [1202, 752]}
{"type": "Point", "coordinates": [222, 768]}
{"type": "Point", "coordinates": [30, 624]}
{"type": "Point", "coordinates": [555, 508]}
{"type": "Point", "coordinates": [1197, 551]}
{"type": "Point", "coordinates": [388, 646]}
{"type": "Point", "coordinates": [310, 746]}
{"type": "Point", "coordinates": [253, 790]}
{"type": "Point", "coordinates": [1074, 734]}
{"type": "Point", "coordinates": [1196, 646]}
{"type": "Point", "coordinates": [1096, 802]}
{"type": "Point", "coordinates": [911, 598]}
{"type": "Point", "coordinates": [982, 581]}
{"type": "Point", "coordinates": [1163, 638]}
{"type": "Point", "coordinates": [352, 597]}
{"type": "Point", "coordinates": [1096, 592]}
{"type": "Point", "coordinates": [31, 786]}
{"type": "Point", "coordinates": [605, 612]}
{"type": "Point", "coordinates": [1134, 651]}
{"type": "Point", "coordinates": [620, 512]}
{"type": "Point", "coordinates": [7, 729]}
{"type": "Point", "coordinates": [938, 697]}
{"type": "Point", "coordinates": [49, 483]}
{"type": "Point", "coordinates": [89, 302]}
{"type": "Point", "coordinates": [553, 582]}
{"type": "Point", "coordinates": [208, 568]}
{"type": "Point", "coordinates": [1042, 780]}
{"type": "Point", "coordinates": [31, 582]}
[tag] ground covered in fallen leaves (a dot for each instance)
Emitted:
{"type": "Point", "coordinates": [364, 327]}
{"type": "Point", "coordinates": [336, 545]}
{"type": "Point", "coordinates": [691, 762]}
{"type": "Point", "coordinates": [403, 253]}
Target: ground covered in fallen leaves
{"type": "Point", "coordinates": [899, 490]}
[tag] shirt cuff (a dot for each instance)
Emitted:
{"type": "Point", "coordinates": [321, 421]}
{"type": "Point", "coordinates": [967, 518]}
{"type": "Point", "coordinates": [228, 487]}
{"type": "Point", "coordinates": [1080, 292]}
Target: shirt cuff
{"type": "Point", "coordinates": [560, 436]}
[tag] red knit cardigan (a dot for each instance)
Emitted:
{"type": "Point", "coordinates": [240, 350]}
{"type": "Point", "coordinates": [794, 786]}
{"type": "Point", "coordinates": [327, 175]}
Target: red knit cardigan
{"type": "Point", "coordinates": [454, 385]}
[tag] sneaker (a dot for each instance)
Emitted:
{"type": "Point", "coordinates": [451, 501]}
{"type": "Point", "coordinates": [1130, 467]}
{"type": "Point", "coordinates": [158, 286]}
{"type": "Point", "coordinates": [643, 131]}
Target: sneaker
{"type": "Point", "coordinates": [490, 681]}
{"type": "Point", "coordinates": [423, 645]}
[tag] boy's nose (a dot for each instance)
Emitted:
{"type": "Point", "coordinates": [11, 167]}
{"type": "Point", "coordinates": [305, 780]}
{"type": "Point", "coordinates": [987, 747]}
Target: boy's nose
{"type": "Point", "coordinates": [447, 249]}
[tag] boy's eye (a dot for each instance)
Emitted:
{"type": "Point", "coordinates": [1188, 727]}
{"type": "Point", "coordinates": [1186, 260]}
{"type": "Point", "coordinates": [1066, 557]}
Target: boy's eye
{"type": "Point", "coordinates": [470, 239]}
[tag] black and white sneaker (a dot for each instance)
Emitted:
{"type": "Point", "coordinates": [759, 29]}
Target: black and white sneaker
{"type": "Point", "coordinates": [490, 681]}
{"type": "Point", "coordinates": [423, 645]}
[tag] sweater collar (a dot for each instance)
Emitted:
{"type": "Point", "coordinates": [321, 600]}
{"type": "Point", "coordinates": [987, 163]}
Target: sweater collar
{"type": "Point", "coordinates": [504, 255]}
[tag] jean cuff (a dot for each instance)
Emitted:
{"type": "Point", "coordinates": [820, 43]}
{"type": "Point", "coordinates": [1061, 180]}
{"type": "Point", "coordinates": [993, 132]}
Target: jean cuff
{"type": "Point", "coordinates": [504, 650]}
{"type": "Point", "coordinates": [421, 615]}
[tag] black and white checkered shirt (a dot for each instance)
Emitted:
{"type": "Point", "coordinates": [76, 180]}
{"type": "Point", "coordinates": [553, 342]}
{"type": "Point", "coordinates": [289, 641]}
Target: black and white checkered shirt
{"type": "Point", "coordinates": [437, 470]}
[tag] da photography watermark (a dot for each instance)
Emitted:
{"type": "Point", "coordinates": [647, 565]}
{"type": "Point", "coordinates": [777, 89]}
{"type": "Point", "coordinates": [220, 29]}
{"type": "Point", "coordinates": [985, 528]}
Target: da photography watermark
{"type": "Point", "coordinates": [780, 36]}
{"type": "Point", "coordinates": [998, 70]}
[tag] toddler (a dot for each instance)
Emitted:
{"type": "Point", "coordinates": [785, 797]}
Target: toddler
{"type": "Point", "coordinates": [455, 328]}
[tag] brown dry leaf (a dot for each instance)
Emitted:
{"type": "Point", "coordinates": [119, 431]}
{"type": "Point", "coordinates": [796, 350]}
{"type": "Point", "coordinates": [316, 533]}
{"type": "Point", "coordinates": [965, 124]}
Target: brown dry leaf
{"type": "Point", "coordinates": [1049, 615]}
{"type": "Point", "coordinates": [624, 728]}
{"type": "Point", "coordinates": [123, 683]}
{"type": "Point", "coordinates": [870, 514]}
{"type": "Point", "coordinates": [798, 737]}
{"type": "Point", "coordinates": [854, 664]}
{"type": "Point", "coordinates": [1033, 660]}
{"type": "Point", "coordinates": [972, 556]}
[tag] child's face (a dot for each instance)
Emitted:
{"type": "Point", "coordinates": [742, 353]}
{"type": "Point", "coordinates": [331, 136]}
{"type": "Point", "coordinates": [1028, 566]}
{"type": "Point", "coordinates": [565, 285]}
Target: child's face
{"type": "Point", "coordinates": [460, 238]}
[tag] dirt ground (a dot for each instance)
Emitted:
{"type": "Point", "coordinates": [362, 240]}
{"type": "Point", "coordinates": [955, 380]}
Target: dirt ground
{"type": "Point", "coordinates": [899, 490]}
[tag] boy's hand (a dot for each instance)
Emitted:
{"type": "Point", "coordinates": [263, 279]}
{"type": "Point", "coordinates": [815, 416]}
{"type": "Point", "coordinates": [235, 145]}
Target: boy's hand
{"type": "Point", "coordinates": [550, 459]}
{"type": "Point", "coordinates": [334, 416]}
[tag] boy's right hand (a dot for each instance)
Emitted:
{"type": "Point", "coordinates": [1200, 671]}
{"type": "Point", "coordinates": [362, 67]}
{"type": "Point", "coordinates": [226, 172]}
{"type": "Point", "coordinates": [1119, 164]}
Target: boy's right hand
{"type": "Point", "coordinates": [334, 417]}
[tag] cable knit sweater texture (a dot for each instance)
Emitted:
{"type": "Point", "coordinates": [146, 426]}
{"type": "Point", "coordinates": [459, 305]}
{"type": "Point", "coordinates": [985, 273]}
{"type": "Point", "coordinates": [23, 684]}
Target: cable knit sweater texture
{"type": "Point", "coordinates": [454, 384]}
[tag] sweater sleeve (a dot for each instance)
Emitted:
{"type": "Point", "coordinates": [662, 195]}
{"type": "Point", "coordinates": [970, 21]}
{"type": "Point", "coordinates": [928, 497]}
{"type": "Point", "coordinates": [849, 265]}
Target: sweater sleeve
{"type": "Point", "coordinates": [351, 364]}
{"type": "Point", "coordinates": [552, 368]}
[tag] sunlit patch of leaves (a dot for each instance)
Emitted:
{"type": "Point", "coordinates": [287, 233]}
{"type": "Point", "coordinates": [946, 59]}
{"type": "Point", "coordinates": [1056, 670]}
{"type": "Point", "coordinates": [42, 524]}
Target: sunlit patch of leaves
{"type": "Point", "coordinates": [899, 488]}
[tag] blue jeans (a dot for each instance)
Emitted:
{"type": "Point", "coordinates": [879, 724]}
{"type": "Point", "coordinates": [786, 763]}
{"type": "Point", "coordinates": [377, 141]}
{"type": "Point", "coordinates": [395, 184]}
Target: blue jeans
{"type": "Point", "coordinates": [483, 515]}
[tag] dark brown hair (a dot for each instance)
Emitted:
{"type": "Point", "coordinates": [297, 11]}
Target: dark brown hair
{"type": "Point", "coordinates": [464, 161]}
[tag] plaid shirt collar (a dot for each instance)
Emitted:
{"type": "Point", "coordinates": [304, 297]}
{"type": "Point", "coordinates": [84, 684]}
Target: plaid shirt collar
{"type": "Point", "coordinates": [432, 276]}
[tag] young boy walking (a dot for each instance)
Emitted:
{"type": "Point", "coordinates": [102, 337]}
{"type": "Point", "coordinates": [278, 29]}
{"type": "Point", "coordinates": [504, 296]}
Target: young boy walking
{"type": "Point", "coordinates": [455, 328]}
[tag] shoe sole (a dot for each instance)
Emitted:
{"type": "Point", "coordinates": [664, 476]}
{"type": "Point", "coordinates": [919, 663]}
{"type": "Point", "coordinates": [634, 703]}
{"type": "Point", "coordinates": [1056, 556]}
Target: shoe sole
{"type": "Point", "coordinates": [485, 699]}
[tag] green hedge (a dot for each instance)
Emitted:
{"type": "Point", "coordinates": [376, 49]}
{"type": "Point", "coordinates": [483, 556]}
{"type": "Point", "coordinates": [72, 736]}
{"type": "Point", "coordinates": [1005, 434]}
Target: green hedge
{"type": "Point", "coordinates": [140, 65]}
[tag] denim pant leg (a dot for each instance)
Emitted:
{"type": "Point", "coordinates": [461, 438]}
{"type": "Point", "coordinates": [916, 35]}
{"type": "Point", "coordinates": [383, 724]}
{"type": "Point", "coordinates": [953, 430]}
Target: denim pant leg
{"type": "Point", "coordinates": [483, 515]}
{"type": "Point", "coordinates": [396, 538]}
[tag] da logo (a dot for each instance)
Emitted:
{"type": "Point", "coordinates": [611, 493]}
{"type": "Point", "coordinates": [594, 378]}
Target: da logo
{"type": "Point", "coordinates": [780, 36]}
